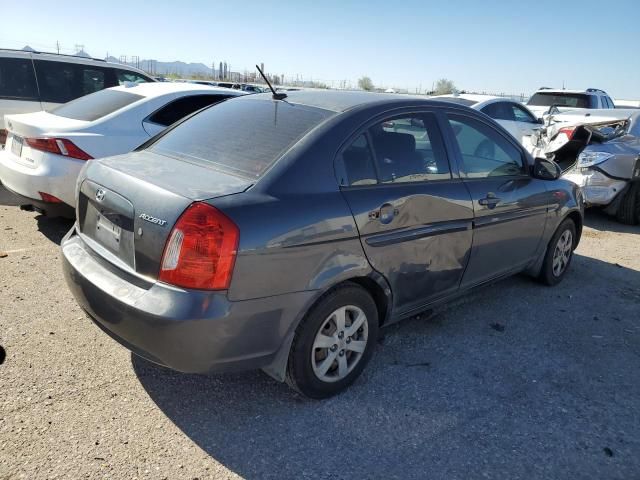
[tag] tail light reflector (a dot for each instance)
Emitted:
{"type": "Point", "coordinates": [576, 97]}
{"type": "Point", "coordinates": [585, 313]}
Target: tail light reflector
{"type": "Point", "coordinates": [3, 136]}
{"type": "Point", "coordinates": [568, 131]}
{"type": "Point", "coordinates": [47, 197]}
{"type": "Point", "coordinates": [201, 250]}
{"type": "Point", "coordinates": [59, 146]}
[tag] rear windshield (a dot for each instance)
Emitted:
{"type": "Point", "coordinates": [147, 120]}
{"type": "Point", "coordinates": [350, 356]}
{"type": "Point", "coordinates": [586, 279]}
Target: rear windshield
{"type": "Point", "coordinates": [243, 137]}
{"type": "Point", "coordinates": [96, 105]}
{"type": "Point", "coordinates": [575, 100]}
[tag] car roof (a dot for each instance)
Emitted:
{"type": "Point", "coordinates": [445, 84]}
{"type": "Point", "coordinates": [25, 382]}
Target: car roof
{"type": "Point", "coordinates": [472, 97]}
{"type": "Point", "coordinates": [561, 90]}
{"type": "Point", "coordinates": [61, 57]}
{"type": "Point", "coordinates": [156, 89]}
{"type": "Point", "coordinates": [340, 101]}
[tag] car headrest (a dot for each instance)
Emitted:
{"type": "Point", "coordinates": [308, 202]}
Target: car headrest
{"type": "Point", "coordinates": [395, 143]}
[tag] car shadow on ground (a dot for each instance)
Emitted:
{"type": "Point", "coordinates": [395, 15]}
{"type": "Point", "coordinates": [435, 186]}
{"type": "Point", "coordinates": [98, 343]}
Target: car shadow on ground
{"type": "Point", "coordinates": [598, 220]}
{"type": "Point", "coordinates": [517, 380]}
{"type": "Point", "coordinates": [54, 228]}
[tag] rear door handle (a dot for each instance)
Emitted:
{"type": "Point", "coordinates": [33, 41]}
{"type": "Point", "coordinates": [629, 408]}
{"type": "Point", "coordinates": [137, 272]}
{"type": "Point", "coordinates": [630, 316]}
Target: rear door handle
{"type": "Point", "coordinates": [489, 201]}
{"type": "Point", "coordinates": [385, 214]}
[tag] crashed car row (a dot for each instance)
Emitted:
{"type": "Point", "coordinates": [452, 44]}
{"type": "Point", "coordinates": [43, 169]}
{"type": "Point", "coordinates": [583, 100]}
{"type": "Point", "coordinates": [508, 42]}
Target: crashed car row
{"type": "Point", "coordinates": [598, 150]}
{"type": "Point", "coordinates": [596, 145]}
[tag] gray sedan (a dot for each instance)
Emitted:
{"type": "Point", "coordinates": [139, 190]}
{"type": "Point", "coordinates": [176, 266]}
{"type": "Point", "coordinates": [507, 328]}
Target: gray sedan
{"type": "Point", "coordinates": [283, 233]}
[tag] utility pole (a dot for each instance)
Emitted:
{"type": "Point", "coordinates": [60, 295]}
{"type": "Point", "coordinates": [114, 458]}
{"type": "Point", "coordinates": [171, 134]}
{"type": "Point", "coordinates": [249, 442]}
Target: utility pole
{"type": "Point", "coordinates": [58, 46]}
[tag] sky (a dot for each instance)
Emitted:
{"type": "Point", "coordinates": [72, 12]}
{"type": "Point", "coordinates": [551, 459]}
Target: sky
{"type": "Point", "coordinates": [496, 46]}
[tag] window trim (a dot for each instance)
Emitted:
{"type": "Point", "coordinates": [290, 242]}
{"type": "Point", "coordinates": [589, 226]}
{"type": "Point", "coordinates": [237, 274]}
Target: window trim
{"type": "Point", "coordinates": [390, 115]}
{"type": "Point", "coordinates": [458, 153]}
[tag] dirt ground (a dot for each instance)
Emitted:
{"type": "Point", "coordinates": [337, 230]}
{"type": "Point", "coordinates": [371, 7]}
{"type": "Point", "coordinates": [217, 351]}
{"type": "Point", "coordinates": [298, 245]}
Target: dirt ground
{"type": "Point", "coordinates": [515, 381]}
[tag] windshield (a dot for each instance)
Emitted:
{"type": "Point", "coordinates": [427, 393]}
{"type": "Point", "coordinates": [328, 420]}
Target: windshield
{"type": "Point", "coordinates": [574, 100]}
{"type": "Point", "coordinates": [243, 137]}
{"type": "Point", "coordinates": [96, 105]}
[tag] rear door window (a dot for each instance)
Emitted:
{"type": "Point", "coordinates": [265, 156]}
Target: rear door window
{"type": "Point", "coordinates": [499, 111]}
{"type": "Point", "coordinates": [243, 136]}
{"type": "Point", "coordinates": [17, 79]}
{"type": "Point", "coordinates": [522, 115]}
{"type": "Point", "coordinates": [409, 149]}
{"type": "Point", "coordinates": [355, 164]}
{"type": "Point", "coordinates": [180, 108]}
{"type": "Point", "coordinates": [96, 105]}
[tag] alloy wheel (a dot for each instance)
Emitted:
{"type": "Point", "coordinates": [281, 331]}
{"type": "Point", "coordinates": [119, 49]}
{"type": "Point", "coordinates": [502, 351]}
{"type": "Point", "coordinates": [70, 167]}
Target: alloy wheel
{"type": "Point", "coordinates": [562, 253]}
{"type": "Point", "coordinates": [339, 344]}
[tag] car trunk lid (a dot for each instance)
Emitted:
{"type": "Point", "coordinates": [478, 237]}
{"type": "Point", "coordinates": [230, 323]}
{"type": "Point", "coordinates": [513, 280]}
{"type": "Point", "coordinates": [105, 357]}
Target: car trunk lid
{"type": "Point", "coordinates": [128, 205]}
{"type": "Point", "coordinates": [41, 124]}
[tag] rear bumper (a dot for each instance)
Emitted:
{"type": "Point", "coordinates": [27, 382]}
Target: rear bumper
{"type": "Point", "coordinates": [186, 330]}
{"type": "Point", "coordinates": [46, 208]}
{"type": "Point", "coordinates": [55, 176]}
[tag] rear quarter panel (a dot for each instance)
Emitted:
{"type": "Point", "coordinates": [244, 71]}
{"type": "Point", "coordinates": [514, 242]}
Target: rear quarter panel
{"type": "Point", "coordinates": [296, 229]}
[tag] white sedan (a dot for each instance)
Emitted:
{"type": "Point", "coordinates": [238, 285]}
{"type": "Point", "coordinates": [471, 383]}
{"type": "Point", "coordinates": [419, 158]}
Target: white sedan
{"type": "Point", "coordinates": [46, 150]}
{"type": "Point", "coordinates": [517, 119]}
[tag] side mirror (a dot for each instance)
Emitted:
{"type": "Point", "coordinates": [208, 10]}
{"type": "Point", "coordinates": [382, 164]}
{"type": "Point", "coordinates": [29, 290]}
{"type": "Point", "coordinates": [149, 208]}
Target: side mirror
{"type": "Point", "coordinates": [544, 169]}
{"type": "Point", "coordinates": [540, 121]}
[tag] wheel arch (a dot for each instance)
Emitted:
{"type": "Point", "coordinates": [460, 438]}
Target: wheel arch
{"type": "Point", "coordinates": [577, 219]}
{"type": "Point", "coordinates": [373, 283]}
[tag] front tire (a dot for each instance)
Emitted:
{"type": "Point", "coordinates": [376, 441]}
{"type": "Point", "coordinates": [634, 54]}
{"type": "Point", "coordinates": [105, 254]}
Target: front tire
{"type": "Point", "coordinates": [559, 253]}
{"type": "Point", "coordinates": [629, 208]}
{"type": "Point", "coordinates": [333, 343]}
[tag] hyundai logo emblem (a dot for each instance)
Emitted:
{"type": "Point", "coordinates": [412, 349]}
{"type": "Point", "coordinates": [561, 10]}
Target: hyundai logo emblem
{"type": "Point", "coordinates": [100, 195]}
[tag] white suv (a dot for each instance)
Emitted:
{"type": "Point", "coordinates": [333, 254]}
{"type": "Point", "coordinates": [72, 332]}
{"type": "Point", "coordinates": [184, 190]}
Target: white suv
{"type": "Point", "coordinates": [34, 81]}
{"type": "Point", "coordinates": [545, 98]}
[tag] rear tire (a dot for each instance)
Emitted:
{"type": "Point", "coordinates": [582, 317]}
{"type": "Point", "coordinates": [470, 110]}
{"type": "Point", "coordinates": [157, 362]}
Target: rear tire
{"type": "Point", "coordinates": [629, 208]}
{"type": "Point", "coordinates": [559, 253]}
{"type": "Point", "coordinates": [333, 343]}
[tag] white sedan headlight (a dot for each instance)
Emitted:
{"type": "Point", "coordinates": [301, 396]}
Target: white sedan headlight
{"type": "Point", "coordinates": [588, 159]}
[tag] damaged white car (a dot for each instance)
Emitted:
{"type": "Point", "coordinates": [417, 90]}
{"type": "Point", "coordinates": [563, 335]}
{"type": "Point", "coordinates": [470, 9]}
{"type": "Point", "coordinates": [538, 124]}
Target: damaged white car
{"type": "Point", "coordinates": [599, 151]}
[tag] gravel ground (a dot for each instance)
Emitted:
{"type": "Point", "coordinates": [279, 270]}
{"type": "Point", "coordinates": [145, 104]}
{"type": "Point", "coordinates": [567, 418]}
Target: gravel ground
{"type": "Point", "coordinates": [515, 381]}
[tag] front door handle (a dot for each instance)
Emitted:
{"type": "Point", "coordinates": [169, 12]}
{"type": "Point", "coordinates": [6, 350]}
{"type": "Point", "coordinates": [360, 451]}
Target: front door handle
{"type": "Point", "coordinates": [489, 201]}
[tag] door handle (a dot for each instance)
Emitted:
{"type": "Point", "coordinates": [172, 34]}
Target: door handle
{"type": "Point", "coordinates": [385, 213]}
{"type": "Point", "coordinates": [489, 201]}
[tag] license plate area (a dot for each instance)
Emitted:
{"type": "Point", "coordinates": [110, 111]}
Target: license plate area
{"type": "Point", "coordinates": [108, 232]}
{"type": "Point", "coordinates": [107, 218]}
{"type": "Point", "coordinates": [16, 145]}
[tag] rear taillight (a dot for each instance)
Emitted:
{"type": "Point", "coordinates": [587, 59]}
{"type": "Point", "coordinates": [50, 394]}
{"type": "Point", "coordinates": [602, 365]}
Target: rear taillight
{"type": "Point", "coordinates": [59, 146]}
{"type": "Point", "coordinates": [3, 136]}
{"type": "Point", "coordinates": [568, 131]}
{"type": "Point", "coordinates": [201, 249]}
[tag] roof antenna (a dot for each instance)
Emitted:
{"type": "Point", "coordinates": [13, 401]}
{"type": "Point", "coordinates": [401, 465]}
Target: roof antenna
{"type": "Point", "coordinates": [275, 96]}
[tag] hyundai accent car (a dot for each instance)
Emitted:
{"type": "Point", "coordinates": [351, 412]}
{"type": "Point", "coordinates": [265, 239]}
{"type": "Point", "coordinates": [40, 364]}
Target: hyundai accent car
{"type": "Point", "coordinates": [46, 150]}
{"type": "Point", "coordinates": [283, 233]}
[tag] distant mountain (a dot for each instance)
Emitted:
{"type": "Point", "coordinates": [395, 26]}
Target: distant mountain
{"type": "Point", "coordinates": [164, 68]}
